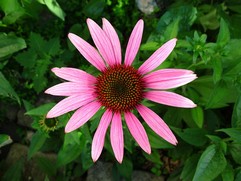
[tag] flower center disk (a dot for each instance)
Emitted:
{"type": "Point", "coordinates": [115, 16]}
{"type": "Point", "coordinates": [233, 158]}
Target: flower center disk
{"type": "Point", "coordinates": [120, 88]}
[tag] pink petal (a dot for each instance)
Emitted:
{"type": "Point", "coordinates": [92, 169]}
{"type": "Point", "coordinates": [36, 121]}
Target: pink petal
{"type": "Point", "coordinates": [99, 137]}
{"type": "Point", "coordinates": [158, 57]}
{"type": "Point", "coordinates": [74, 75]}
{"type": "Point", "coordinates": [114, 39]}
{"type": "Point", "coordinates": [88, 51]}
{"type": "Point", "coordinates": [102, 42]}
{"type": "Point", "coordinates": [116, 137]}
{"type": "Point", "coordinates": [157, 124]}
{"type": "Point", "coordinates": [169, 98]}
{"type": "Point", "coordinates": [69, 88]}
{"type": "Point", "coordinates": [134, 42]}
{"type": "Point", "coordinates": [138, 131]}
{"type": "Point", "coordinates": [69, 104]}
{"type": "Point", "coordinates": [168, 78]}
{"type": "Point", "coordinates": [81, 116]}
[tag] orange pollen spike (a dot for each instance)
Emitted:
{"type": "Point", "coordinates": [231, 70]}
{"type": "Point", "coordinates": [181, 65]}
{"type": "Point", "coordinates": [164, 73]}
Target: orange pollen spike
{"type": "Point", "coordinates": [120, 88]}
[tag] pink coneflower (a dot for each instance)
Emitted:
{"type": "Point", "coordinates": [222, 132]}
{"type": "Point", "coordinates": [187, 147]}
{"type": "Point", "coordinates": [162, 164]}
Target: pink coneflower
{"type": "Point", "coordinates": [119, 88]}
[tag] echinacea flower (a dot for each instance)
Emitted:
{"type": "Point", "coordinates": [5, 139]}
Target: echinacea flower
{"type": "Point", "coordinates": [119, 88]}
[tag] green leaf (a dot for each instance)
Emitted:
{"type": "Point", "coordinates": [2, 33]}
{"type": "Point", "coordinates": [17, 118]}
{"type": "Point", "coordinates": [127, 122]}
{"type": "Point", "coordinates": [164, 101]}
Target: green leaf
{"type": "Point", "coordinates": [189, 167]}
{"type": "Point", "coordinates": [37, 142]}
{"type": "Point", "coordinates": [47, 165]}
{"type": "Point", "coordinates": [6, 89]}
{"type": "Point", "coordinates": [155, 140]}
{"type": "Point", "coordinates": [12, 9]}
{"type": "Point", "coordinates": [172, 29]}
{"type": "Point", "coordinates": [224, 34]}
{"type": "Point", "coordinates": [68, 154]}
{"type": "Point", "coordinates": [14, 173]}
{"type": "Point", "coordinates": [38, 44]}
{"type": "Point", "coordinates": [154, 157]}
{"type": "Point", "coordinates": [5, 140]}
{"type": "Point", "coordinates": [197, 115]}
{"type": "Point", "coordinates": [94, 8]}
{"type": "Point", "coordinates": [234, 133]}
{"type": "Point", "coordinates": [55, 8]}
{"type": "Point", "coordinates": [235, 150]}
{"type": "Point", "coordinates": [228, 173]}
{"type": "Point", "coordinates": [236, 115]}
{"type": "Point", "coordinates": [73, 146]}
{"type": "Point", "coordinates": [217, 69]}
{"type": "Point", "coordinates": [27, 59]}
{"type": "Point", "coordinates": [53, 46]}
{"type": "Point", "coordinates": [193, 136]}
{"type": "Point", "coordinates": [125, 168]}
{"type": "Point", "coordinates": [186, 13]}
{"type": "Point", "coordinates": [211, 163]}
{"type": "Point", "coordinates": [10, 44]}
{"type": "Point", "coordinates": [41, 110]}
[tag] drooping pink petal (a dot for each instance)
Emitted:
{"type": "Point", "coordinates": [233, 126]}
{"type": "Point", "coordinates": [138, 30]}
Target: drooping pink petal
{"type": "Point", "coordinates": [69, 104]}
{"type": "Point", "coordinates": [114, 39]}
{"type": "Point", "coordinates": [116, 137]}
{"type": "Point", "coordinates": [88, 51]}
{"type": "Point", "coordinates": [169, 98]}
{"type": "Point", "coordinates": [102, 42]}
{"type": "Point", "coordinates": [137, 131]}
{"type": "Point", "coordinates": [69, 88]}
{"type": "Point", "coordinates": [74, 75]}
{"type": "Point", "coordinates": [157, 124]}
{"type": "Point", "coordinates": [158, 57]}
{"type": "Point", "coordinates": [99, 137]}
{"type": "Point", "coordinates": [168, 78]}
{"type": "Point", "coordinates": [134, 43]}
{"type": "Point", "coordinates": [81, 116]}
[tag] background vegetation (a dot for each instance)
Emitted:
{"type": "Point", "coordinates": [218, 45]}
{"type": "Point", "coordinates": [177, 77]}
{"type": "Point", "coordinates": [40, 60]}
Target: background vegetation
{"type": "Point", "coordinates": [33, 39]}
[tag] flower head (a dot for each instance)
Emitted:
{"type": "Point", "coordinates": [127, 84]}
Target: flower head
{"type": "Point", "coordinates": [119, 88]}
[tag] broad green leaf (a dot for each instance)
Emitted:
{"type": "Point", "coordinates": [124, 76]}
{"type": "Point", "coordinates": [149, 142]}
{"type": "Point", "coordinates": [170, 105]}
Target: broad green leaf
{"type": "Point", "coordinates": [236, 115]}
{"type": "Point", "coordinates": [193, 136]}
{"type": "Point", "coordinates": [86, 159]}
{"type": "Point", "coordinates": [55, 8]}
{"type": "Point", "coordinates": [197, 115]}
{"type": "Point", "coordinates": [27, 59]}
{"type": "Point", "coordinates": [125, 168]}
{"type": "Point", "coordinates": [53, 46]}
{"type": "Point", "coordinates": [228, 173]}
{"type": "Point", "coordinates": [155, 140]}
{"type": "Point", "coordinates": [5, 140]}
{"type": "Point", "coordinates": [68, 154]}
{"type": "Point", "coordinates": [47, 165]}
{"type": "Point", "coordinates": [37, 142]}
{"type": "Point", "coordinates": [15, 171]}
{"type": "Point", "coordinates": [223, 35]}
{"type": "Point", "coordinates": [12, 10]}
{"type": "Point", "coordinates": [73, 146]}
{"type": "Point", "coordinates": [151, 46]}
{"type": "Point", "coordinates": [234, 133]}
{"type": "Point", "coordinates": [235, 150]}
{"type": "Point", "coordinates": [154, 157]}
{"type": "Point", "coordinates": [189, 167]}
{"type": "Point", "coordinates": [6, 89]}
{"type": "Point", "coordinates": [186, 13]}
{"type": "Point", "coordinates": [41, 110]}
{"type": "Point", "coordinates": [10, 44]}
{"type": "Point", "coordinates": [94, 8]}
{"type": "Point", "coordinates": [211, 159]}
{"type": "Point", "coordinates": [73, 137]}
{"type": "Point", "coordinates": [38, 44]}
{"type": "Point", "coordinates": [217, 69]}
{"type": "Point", "coordinates": [172, 29]}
